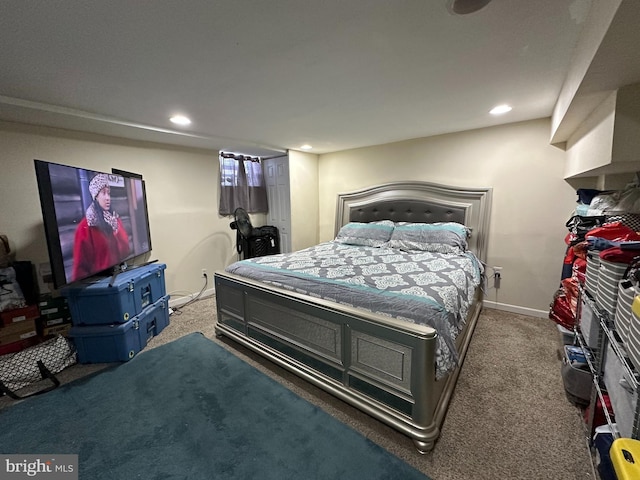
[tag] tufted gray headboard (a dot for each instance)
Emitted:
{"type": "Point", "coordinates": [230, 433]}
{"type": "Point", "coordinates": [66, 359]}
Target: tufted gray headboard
{"type": "Point", "coordinates": [407, 211]}
{"type": "Point", "coordinates": [420, 202]}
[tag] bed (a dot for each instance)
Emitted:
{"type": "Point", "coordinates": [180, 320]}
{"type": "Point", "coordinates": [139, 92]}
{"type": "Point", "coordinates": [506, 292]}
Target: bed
{"type": "Point", "coordinates": [392, 356]}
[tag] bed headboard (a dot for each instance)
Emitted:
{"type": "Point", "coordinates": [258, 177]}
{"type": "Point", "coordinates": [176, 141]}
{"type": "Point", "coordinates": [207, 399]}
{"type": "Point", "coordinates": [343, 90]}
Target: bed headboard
{"type": "Point", "coordinates": [421, 202]}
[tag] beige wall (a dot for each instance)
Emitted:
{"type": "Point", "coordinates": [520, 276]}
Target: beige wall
{"type": "Point", "coordinates": [182, 194]}
{"type": "Point", "coordinates": [303, 179]}
{"type": "Point", "coordinates": [531, 201]}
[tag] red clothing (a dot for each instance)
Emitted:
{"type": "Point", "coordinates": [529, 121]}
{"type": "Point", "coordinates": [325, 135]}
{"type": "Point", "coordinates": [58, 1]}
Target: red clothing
{"type": "Point", "coordinates": [95, 251]}
{"type": "Point", "coordinates": [618, 255]}
{"type": "Point", "coordinates": [616, 232]}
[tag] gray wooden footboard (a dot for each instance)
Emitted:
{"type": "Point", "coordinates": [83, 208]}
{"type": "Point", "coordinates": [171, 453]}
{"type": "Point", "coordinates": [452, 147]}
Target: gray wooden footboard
{"type": "Point", "coordinates": [379, 365]}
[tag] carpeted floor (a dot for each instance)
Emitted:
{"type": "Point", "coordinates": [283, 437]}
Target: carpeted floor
{"type": "Point", "coordinates": [508, 418]}
{"type": "Point", "coordinates": [190, 409]}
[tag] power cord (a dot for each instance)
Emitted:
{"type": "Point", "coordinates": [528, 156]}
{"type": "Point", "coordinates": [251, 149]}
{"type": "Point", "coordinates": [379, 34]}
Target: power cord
{"type": "Point", "coordinates": [497, 277]}
{"type": "Point", "coordinates": [177, 310]}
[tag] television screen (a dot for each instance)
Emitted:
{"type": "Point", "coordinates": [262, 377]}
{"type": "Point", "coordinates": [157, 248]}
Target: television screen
{"type": "Point", "coordinates": [93, 221]}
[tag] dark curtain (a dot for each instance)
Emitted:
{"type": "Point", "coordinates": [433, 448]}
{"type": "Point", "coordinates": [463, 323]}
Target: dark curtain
{"type": "Point", "coordinates": [241, 184]}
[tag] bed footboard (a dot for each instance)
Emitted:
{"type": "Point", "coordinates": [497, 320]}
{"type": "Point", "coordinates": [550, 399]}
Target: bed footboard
{"type": "Point", "coordinates": [377, 364]}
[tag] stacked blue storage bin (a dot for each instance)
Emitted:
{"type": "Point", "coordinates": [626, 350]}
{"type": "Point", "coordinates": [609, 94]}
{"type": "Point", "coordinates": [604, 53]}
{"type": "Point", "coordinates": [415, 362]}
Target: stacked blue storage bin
{"type": "Point", "coordinates": [114, 318]}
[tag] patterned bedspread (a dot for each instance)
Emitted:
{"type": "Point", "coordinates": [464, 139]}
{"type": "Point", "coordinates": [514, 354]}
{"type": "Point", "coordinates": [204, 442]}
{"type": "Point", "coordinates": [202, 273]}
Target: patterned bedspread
{"type": "Point", "coordinates": [434, 289]}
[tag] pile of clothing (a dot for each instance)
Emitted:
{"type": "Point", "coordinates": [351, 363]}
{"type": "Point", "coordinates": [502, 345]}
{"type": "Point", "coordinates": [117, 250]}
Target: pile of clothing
{"type": "Point", "coordinates": [611, 234]}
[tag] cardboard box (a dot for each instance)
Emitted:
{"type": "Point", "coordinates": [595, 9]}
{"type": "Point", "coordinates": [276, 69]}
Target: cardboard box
{"type": "Point", "coordinates": [30, 312]}
{"type": "Point", "coordinates": [55, 311]}
{"type": "Point", "coordinates": [47, 301]}
{"type": "Point", "coordinates": [18, 346]}
{"type": "Point", "coordinates": [52, 322]}
{"type": "Point", "coordinates": [18, 331]}
{"type": "Point", "coordinates": [54, 307]}
{"type": "Point", "coordinates": [52, 326]}
{"type": "Point", "coordinates": [62, 329]}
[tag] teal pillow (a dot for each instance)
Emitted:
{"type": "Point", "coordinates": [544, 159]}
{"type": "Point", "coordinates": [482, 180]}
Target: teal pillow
{"type": "Point", "coordinates": [441, 237]}
{"type": "Point", "coordinates": [373, 234]}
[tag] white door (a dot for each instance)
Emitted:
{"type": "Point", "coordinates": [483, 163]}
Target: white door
{"type": "Point", "coordinates": [276, 171]}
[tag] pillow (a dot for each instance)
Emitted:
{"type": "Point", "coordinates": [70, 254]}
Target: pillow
{"type": "Point", "coordinates": [441, 237]}
{"type": "Point", "coordinates": [372, 234]}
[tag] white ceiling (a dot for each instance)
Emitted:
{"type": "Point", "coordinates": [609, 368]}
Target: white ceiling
{"type": "Point", "coordinates": [262, 76]}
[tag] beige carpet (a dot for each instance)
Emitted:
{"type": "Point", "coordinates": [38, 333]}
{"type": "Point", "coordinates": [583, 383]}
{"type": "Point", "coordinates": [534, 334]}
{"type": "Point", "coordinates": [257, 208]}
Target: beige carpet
{"type": "Point", "coordinates": [509, 417]}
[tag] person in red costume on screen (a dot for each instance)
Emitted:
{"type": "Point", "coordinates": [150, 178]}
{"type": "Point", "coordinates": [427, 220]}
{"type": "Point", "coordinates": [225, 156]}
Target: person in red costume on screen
{"type": "Point", "coordinates": [100, 240]}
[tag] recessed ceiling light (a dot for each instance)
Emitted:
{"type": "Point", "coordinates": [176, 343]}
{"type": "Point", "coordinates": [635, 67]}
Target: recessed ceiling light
{"type": "Point", "coordinates": [500, 109]}
{"type": "Point", "coordinates": [306, 146]}
{"type": "Point", "coordinates": [180, 120]}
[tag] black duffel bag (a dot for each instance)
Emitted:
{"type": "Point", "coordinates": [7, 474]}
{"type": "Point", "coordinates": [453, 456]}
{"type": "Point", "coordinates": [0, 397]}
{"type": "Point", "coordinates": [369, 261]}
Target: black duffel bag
{"type": "Point", "coordinates": [264, 240]}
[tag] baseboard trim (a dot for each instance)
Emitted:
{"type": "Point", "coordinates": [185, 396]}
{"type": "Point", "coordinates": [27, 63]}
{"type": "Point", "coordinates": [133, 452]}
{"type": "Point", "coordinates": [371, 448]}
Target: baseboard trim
{"type": "Point", "coordinates": [532, 312]}
{"type": "Point", "coordinates": [178, 302]}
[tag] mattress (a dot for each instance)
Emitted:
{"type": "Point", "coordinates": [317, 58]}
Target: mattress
{"type": "Point", "coordinates": [428, 288]}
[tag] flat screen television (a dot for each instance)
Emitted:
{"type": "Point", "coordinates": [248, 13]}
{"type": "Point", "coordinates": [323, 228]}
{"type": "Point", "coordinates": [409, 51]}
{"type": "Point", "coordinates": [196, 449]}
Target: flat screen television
{"type": "Point", "coordinates": [94, 221]}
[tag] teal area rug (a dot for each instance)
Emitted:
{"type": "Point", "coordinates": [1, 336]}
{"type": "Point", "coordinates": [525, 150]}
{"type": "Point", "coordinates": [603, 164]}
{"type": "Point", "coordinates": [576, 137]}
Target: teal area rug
{"type": "Point", "coordinates": [191, 410]}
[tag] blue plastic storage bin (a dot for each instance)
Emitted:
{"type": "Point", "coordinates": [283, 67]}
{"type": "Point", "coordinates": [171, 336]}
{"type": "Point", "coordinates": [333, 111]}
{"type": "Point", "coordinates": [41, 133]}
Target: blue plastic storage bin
{"type": "Point", "coordinates": [104, 302]}
{"type": "Point", "coordinates": [120, 342]}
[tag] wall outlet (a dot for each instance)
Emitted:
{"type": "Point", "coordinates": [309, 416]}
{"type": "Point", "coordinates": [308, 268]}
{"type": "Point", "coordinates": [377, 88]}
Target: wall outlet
{"type": "Point", "coordinates": [204, 272]}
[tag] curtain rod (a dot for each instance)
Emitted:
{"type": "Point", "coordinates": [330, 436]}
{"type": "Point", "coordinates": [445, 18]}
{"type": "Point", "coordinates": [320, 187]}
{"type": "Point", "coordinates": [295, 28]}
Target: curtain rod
{"type": "Point", "coordinates": [238, 156]}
